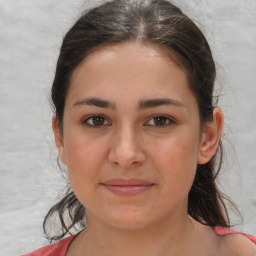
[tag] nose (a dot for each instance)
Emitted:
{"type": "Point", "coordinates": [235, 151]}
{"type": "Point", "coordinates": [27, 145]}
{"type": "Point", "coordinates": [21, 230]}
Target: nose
{"type": "Point", "coordinates": [126, 151]}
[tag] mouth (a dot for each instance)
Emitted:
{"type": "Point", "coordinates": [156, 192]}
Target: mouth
{"type": "Point", "coordinates": [127, 187]}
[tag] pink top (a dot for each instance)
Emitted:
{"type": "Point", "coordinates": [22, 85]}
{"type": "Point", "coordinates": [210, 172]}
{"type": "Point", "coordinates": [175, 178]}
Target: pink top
{"type": "Point", "coordinates": [224, 231]}
{"type": "Point", "coordinates": [60, 248]}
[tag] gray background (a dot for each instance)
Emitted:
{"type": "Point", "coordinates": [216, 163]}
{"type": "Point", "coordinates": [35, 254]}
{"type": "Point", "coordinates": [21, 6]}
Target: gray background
{"type": "Point", "coordinates": [30, 36]}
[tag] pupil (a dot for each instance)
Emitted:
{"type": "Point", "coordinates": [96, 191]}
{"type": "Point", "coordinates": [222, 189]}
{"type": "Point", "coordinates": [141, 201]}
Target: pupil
{"type": "Point", "coordinates": [160, 121]}
{"type": "Point", "coordinates": [98, 120]}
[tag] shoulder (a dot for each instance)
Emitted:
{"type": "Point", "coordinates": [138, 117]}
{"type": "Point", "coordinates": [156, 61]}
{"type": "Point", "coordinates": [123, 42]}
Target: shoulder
{"type": "Point", "coordinates": [226, 231]}
{"type": "Point", "coordinates": [236, 243]}
{"type": "Point", "coordinates": [58, 249]}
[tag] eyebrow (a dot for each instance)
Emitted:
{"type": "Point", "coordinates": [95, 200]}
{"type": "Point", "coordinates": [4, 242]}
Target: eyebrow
{"type": "Point", "coordinates": [95, 102]}
{"type": "Point", "coordinates": [143, 104]}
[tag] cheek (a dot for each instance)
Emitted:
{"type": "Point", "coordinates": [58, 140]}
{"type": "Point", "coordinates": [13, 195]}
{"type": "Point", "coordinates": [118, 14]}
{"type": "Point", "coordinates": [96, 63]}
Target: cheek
{"type": "Point", "coordinates": [82, 149]}
{"type": "Point", "coordinates": [84, 162]}
{"type": "Point", "coordinates": [176, 161]}
{"type": "Point", "coordinates": [175, 151]}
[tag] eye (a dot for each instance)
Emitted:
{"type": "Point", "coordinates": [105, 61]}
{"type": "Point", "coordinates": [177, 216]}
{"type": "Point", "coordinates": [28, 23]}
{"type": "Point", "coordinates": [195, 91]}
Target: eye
{"type": "Point", "coordinates": [96, 121]}
{"type": "Point", "coordinates": [160, 121]}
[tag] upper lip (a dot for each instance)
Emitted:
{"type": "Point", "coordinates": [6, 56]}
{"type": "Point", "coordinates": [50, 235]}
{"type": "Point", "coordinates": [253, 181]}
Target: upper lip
{"type": "Point", "coordinates": [127, 182]}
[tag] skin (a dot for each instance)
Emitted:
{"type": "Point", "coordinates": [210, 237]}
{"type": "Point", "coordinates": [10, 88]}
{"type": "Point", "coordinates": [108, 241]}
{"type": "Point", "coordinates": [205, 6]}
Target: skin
{"type": "Point", "coordinates": [131, 138]}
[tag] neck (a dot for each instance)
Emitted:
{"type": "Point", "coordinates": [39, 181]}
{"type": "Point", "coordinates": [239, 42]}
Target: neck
{"type": "Point", "coordinates": [172, 238]}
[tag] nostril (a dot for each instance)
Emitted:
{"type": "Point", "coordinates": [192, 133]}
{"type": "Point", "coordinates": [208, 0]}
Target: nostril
{"type": "Point", "coordinates": [134, 163]}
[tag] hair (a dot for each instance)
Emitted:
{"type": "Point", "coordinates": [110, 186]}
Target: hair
{"type": "Point", "coordinates": [147, 21]}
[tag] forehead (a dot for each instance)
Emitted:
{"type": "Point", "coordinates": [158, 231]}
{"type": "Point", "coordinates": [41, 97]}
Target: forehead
{"type": "Point", "coordinates": [132, 68]}
{"type": "Point", "coordinates": [144, 51]}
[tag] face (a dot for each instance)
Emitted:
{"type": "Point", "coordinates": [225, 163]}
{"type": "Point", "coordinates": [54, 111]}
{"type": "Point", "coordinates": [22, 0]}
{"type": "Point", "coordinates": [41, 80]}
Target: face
{"type": "Point", "coordinates": [131, 136]}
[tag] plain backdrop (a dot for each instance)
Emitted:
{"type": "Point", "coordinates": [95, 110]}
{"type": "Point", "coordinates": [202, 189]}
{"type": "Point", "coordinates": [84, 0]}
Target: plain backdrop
{"type": "Point", "coordinates": [30, 36]}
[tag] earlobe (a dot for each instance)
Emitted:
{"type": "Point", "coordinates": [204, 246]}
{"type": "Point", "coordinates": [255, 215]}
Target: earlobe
{"type": "Point", "coordinates": [210, 137]}
{"type": "Point", "coordinates": [58, 139]}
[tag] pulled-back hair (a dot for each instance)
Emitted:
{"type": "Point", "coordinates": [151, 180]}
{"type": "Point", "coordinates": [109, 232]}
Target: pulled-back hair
{"type": "Point", "coordinates": [148, 21]}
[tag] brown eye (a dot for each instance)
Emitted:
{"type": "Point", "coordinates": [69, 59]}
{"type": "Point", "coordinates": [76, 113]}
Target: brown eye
{"type": "Point", "coordinates": [159, 121]}
{"type": "Point", "coordinates": [96, 121]}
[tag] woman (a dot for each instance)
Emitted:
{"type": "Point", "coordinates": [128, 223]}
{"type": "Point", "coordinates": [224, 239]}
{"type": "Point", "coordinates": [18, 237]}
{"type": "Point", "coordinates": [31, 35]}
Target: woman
{"type": "Point", "coordinates": [137, 128]}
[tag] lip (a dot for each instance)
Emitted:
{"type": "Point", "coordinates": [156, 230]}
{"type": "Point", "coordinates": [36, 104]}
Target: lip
{"type": "Point", "coordinates": [127, 182]}
{"type": "Point", "coordinates": [127, 187]}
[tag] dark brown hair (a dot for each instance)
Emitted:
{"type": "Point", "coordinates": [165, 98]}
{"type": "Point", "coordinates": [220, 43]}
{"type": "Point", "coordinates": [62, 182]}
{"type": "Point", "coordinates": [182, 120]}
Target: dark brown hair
{"type": "Point", "coordinates": [147, 21]}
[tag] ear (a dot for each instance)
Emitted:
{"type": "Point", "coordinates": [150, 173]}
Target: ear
{"type": "Point", "coordinates": [210, 137]}
{"type": "Point", "coordinates": [58, 139]}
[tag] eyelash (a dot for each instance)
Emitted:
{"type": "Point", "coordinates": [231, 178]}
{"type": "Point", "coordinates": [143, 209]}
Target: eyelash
{"type": "Point", "coordinates": [107, 123]}
{"type": "Point", "coordinates": [86, 121]}
{"type": "Point", "coordinates": [166, 118]}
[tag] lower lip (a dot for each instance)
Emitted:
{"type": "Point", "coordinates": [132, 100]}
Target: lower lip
{"type": "Point", "coordinates": [127, 190]}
